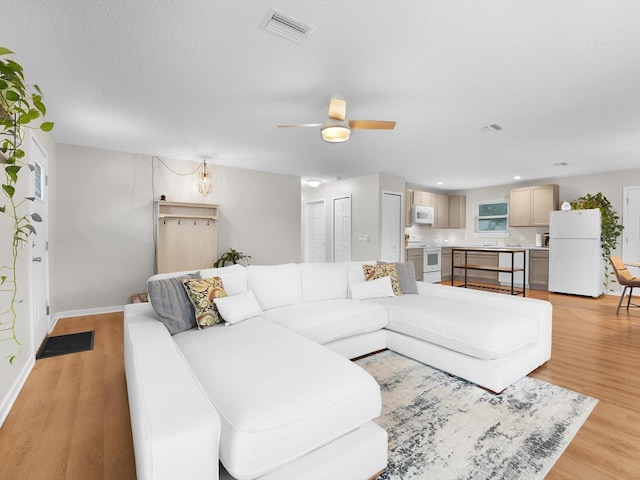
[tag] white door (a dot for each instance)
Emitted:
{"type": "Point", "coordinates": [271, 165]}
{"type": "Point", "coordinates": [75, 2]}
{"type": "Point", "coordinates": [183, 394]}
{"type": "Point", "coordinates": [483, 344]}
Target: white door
{"type": "Point", "coordinates": [315, 232]}
{"type": "Point", "coordinates": [631, 222]}
{"type": "Point", "coordinates": [391, 226]}
{"type": "Point", "coordinates": [342, 229]}
{"type": "Point", "coordinates": [39, 243]}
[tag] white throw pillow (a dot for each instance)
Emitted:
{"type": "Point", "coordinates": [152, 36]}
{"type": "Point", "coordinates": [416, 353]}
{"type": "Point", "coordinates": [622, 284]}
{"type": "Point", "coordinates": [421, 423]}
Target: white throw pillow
{"type": "Point", "coordinates": [236, 308]}
{"type": "Point", "coordinates": [377, 288]}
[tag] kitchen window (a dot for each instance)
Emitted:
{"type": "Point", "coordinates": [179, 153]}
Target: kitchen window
{"type": "Point", "coordinates": [492, 218]}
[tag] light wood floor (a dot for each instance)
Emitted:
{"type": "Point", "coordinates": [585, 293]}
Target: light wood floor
{"type": "Point", "coordinates": [71, 420]}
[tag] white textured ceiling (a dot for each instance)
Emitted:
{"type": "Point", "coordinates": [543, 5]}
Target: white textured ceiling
{"type": "Point", "coordinates": [187, 79]}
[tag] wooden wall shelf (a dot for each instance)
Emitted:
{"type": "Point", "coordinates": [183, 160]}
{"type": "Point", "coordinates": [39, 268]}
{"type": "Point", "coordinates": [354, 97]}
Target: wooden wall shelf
{"type": "Point", "coordinates": [186, 236]}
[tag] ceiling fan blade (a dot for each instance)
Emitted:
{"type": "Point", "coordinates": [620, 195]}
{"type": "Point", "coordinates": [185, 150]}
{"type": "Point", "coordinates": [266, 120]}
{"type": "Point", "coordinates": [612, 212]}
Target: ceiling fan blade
{"type": "Point", "coordinates": [297, 125]}
{"type": "Point", "coordinates": [337, 108]}
{"type": "Point", "coordinates": [372, 124]}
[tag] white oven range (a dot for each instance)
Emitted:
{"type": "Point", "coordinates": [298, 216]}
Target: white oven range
{"type": "Point", "coordinates": [432, 263]}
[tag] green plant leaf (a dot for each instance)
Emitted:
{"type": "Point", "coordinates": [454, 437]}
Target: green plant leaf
{"type": "Point", "coordinates": [12, 359]}
{"type": "Point", "coordinates": [3, 278]}
{"type": "Point", "coordinates": [46, 126]}
{"type": "Point", "coordinates": [9, 190]}
{"type": "Point", "coordinates": [5, 51]}
{"type": "Point", "coordinates": [31, 228]}
{"type": "Point", "coordinates": [12, 171]}
{"type": "Point", "coordinates": [3, 85]}
{"type": "Point", "coordinates": [40, 106]}
{"type": "Point", "coordinates": [3, 209]}
{"type": "Point", "coordinates": [12, 96]}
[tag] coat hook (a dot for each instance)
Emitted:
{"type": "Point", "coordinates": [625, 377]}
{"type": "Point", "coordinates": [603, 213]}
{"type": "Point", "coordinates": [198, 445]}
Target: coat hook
{"type": "Point", "coordinates": [165, 221]}
{"type": "Point", "coordinates": [194, 222]}
{"type": "Point", "coordinates": [179, 220]}
{"type": "Point", "coordinates": [208, 222]}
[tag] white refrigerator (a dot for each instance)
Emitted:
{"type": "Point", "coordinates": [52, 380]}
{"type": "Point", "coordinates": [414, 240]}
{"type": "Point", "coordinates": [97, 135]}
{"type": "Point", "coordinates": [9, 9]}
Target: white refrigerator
{"type": "Point", "coordinates": [575, 253]}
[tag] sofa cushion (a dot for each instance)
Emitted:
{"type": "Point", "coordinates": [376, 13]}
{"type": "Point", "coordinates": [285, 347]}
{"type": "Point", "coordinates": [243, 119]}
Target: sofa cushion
{"type": "Point", "coordinates": [356, 274]}
{"type": "Point", "coordinates": [406, 276]}
{"type": "Point", "coordinates": [202, 292]}
{"type": "Point", "coordinates": [376, 288]}
{"type": "Point", "coordinates": [234, 278]}
{"type": "Point", "coordinates": [372, 272]}
{"type": "Point", "coordinates": [330, 320]}
{"type": "Point", "coordinates": [324, 281]}
{"type": "Point", "coordinates": [279, 395]}
{"type": "Point", "coordinates": [468, 327]}
{"type": "Point", "coordinates": [275, 285]}
{"type": "Point", "coordinates": [239, 307]}
{"type": "Point", "coordinates": [171, 303]}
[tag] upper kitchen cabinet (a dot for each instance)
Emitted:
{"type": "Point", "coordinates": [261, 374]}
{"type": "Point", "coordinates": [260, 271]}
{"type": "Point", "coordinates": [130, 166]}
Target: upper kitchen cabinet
{"type": "Point", "coordinates": [424, 199]}
{"type": "Point", "coordinates": [530, 206]}
{"type": "Point", "coordinates": [441, 211]}
{"type": "Point", "coordinates": [457, 211]}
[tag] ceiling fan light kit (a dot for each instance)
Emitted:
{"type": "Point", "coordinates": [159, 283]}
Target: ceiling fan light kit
{"type": "Point", "coordinates": [334, 130]}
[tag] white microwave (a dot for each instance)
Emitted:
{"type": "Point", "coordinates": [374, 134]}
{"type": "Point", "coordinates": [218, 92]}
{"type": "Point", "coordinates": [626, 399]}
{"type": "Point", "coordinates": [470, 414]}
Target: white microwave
{"type": "Point", "coordinates": [422, 215]}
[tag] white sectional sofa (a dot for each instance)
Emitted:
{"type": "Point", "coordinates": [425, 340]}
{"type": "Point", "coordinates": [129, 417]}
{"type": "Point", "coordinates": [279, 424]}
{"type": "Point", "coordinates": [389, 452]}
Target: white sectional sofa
{"type": "Point", "coordinates": [274, 396]}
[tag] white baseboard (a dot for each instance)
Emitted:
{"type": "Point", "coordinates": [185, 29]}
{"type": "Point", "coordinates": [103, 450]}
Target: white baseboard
{"type": "Point", "coordinates": [15, 389]}
{"type": "Point", "coordinates": [83, 313]}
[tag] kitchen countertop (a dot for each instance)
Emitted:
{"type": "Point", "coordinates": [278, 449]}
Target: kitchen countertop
{"type": "Point", "coordinates": [482, 247]}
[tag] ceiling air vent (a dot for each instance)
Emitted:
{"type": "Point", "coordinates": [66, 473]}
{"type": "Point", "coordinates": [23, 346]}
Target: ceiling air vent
{"type": "Point", "coordinates": [286, 26]}
{"type": "Point", "coordinates": [493, 128]}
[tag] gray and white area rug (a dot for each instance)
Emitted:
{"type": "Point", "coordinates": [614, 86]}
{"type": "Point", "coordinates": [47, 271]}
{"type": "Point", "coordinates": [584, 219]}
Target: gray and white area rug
{"type": "Point", "coordinates": [442, 427]}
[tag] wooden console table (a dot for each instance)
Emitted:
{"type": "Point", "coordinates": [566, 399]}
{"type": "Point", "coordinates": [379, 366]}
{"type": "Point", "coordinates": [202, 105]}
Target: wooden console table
{"type": "Point", "coordinates": [466, 266]}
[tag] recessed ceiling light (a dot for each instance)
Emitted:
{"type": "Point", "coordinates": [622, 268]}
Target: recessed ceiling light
{"type": "Point", "coordinates": [560, 164]}
{"type": "Point", "coordinates": [313, 183]}
{"type": "Point", "coordinates": [517, 177]}
{"type": "Point", "coordinates": [439, 183]}
{"type": "Point", "coordinates": [493, 128]}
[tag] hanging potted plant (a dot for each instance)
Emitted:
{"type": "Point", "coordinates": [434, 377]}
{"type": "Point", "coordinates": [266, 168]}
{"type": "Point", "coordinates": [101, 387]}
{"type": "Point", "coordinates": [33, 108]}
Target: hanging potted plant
{"type": "Point", "coordinates": [20, 106]}
{"type": "Point", "coordinates": [611, 229]}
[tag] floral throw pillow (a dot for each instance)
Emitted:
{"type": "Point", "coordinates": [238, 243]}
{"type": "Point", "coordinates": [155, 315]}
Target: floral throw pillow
{"type": "Point", "coordinates": [372, 272]}
{"type": "Point", "coordinates": [201, 293]}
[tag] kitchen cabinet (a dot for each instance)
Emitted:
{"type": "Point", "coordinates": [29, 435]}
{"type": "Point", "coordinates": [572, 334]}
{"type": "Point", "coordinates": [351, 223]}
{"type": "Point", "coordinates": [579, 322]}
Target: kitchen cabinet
{"type": "Point", "coordinates": [530, 206]}
{"type": "Point", "coordinates": [457, 211]}
{"type": "Point", "coordinates": [416, 255]}
{"type": "Point", "coordinates": [424, 199]}
{"type": "Point", "coordinates": [441, 210]}
{"type": "Point", "coordinates": [539, 269]}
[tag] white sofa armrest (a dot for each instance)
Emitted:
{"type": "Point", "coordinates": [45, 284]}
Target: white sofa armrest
{"type": "Point", "coordinates": [175, 428]}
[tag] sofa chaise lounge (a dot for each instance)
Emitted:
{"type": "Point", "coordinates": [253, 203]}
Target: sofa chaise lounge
{"type": "Point", "coordinates": [275, 397]}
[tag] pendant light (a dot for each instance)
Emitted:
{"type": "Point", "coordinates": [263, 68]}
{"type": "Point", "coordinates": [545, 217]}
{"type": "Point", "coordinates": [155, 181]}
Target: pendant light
{"type": "Point", "coordinates": [205, 180]}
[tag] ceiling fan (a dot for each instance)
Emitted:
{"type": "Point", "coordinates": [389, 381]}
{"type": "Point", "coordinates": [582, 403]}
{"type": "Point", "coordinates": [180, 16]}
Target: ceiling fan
{"type": "Point", "coordinates": [337, 128]}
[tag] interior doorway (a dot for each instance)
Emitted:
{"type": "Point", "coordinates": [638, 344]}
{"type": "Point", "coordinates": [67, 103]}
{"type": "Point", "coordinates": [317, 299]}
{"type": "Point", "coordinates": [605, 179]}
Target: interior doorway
{"type": "Point", "coordinates": [391, 226]}
{"type": "Point", "coordinates": [342, 229]}
{"type": "Point", "coordinates": [39, 243]}
{"type": "Point", "coordinates": [631, 222]}
{"type": "Point", "coordinates": [315, 232]}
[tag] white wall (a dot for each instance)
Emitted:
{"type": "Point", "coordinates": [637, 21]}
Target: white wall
{"type": "Point", "coordinates": [104, 249]}
{"type": "Point", "coordinates": [13, 376]}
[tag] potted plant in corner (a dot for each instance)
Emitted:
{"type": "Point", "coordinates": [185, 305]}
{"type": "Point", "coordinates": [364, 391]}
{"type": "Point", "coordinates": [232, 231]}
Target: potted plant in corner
{"type": "Point", "coordinates": [20, 105]}
{"type": "Point", "coordinates": [233, 256]}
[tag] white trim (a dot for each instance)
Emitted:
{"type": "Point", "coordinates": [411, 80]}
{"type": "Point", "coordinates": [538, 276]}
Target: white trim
{"type": "Point", "coordinates": [84, 313]}
{"type": "Point", "coordinates": [16, 388]}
